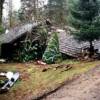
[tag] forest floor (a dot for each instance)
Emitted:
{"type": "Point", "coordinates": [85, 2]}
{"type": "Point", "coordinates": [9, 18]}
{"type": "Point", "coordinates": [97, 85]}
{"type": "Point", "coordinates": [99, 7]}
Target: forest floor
{"type": "Point", "coordinates": [85, 87]}
{"type": "Point", "coordinates": [33, 82]}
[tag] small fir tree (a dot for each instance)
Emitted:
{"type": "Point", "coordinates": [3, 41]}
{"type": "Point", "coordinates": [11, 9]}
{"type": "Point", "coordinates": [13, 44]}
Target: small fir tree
{"type": "Point", "coordinates": [52, 54]}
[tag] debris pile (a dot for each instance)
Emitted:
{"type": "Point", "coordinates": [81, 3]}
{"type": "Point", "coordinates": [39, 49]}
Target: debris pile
{"type": "Point", "coordinates": [8, 82]}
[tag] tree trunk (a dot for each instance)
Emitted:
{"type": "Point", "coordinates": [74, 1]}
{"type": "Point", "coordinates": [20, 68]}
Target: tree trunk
{"type": "Point", "coordinates": [0, 13]}
{"type": "Point", "coordinates": [1, 9]}
{"type": "Point", "coordinates": [91, 49]}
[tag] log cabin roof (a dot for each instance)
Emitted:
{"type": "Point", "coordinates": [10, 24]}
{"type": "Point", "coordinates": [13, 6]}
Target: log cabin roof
{"type": "Point", "coordinates": [16, 33]}
{"type": "Point", "coordinates": [68, 45]}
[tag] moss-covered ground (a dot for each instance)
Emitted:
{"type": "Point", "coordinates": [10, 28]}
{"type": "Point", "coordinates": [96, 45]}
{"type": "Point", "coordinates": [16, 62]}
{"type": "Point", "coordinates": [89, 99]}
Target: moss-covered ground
{"type": "Point", "coordinates": [33, 81]}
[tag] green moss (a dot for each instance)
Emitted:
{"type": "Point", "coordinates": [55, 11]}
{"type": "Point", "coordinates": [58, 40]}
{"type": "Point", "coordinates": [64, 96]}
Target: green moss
{"type": "Point", "coordinates": [33, 81]}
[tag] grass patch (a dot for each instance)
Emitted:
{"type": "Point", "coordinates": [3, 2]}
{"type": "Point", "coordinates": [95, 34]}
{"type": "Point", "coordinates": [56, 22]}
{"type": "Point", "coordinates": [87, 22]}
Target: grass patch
{"type": "Point", "coordinates": [33, 81]}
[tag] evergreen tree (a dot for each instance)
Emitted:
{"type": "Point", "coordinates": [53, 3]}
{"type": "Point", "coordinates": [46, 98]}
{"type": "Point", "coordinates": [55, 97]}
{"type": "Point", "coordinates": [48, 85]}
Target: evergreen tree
{"type": "Point", "coordinates": [57, 11]}
{"type": "Point", "coordinates": [30, 9]}
{"type": "Point", "coordinates": [84, 16]}
{"type": "Point", "coordinates": [52, 54]}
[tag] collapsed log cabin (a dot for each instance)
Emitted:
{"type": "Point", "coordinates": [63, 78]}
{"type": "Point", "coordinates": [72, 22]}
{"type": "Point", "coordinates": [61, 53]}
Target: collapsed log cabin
{"type": "Point", "coordinates": [9, 42]}
{"type": "Point", "coordinates": [71, 47]}
{"type": "Point", "coordinates": [67, 44]}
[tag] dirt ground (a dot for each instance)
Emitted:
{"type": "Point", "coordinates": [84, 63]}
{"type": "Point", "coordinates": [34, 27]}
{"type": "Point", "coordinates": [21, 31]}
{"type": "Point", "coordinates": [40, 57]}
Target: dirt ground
{"type": "Point", "coordinates": [85, 87]}
{"type": "Point", "coordinates": [33, 82]}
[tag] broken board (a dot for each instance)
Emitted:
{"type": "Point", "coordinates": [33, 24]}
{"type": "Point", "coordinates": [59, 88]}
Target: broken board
{"type": "Point", "coordinates": [9, 83]}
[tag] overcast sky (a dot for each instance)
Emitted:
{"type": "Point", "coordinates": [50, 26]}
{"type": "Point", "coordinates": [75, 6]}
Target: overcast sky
{"type": "Point", "coordinates": [16, 6]}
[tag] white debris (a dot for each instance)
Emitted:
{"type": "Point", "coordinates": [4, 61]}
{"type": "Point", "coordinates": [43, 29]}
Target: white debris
{"type": "Point", "coordinates": [6, 32]}
{"type": "Point", "coordinates": [2, 60]}
{"type": "Point", "coordinates": [9, 75]}
{"type": "Point", "coordinates": [2, 74]}
{"type": "Point", "coordinates": [60, 30]}
{"type": "Point", "coordinates": [41, 62]}
{"type": "Point", "coordinates": [99, 50]}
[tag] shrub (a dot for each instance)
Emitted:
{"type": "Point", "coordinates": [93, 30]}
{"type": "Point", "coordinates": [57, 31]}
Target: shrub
{"type": "Point", "coordinates": [52, 54]}
{"type": "Point", "coordinates": [1, 29]}
{"type": "Point", "coordinates": [27, 51]}
{"type": "Point", "coordinates": [42, 34]}
{"type": "Point", "coordinates": [34, 46]}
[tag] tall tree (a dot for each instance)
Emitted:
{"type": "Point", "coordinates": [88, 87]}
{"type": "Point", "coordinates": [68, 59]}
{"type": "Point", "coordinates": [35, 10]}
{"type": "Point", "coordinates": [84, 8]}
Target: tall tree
{"type": "Point", "coordinates": [10, 13]}
{"type": "Point", "coordinates": [57, 10]}
{"type": "Point", "coordinates": [1, 9]}
{"type": "Point", "coordinates": [30, 9]}
{"type": "Point", "coordinates": [26, 9]}
{"type": "Point", "coordinates": [84, 15]}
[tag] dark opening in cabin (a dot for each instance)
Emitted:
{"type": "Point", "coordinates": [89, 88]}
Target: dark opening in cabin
{"type": "Point", "coordinates": [8, 50]}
